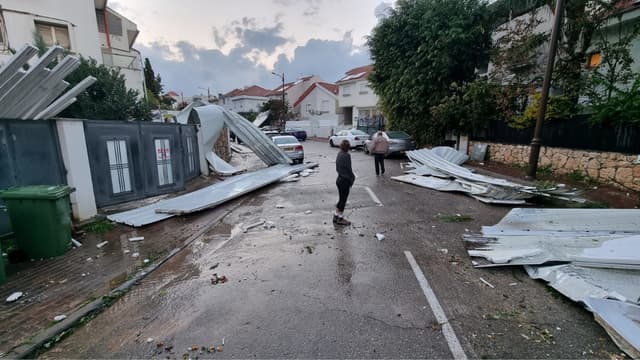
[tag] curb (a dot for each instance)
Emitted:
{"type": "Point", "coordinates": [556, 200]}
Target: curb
{"type": "Point", "coordinates": [29, 349]}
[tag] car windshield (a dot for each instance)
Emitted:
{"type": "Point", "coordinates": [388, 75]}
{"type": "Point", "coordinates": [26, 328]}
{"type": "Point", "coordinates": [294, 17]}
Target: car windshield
{"type": "Point", "coordinates": [283, 140]}
{"type": "Point", "coordinates": [358, 132]}
{"type": "Point", "coordinates": [398, 135]}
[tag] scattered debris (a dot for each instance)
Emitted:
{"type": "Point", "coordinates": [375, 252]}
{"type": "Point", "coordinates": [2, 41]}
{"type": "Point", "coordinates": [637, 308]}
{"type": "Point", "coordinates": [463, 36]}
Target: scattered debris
{"type": "Point", "coordinates": [251, 226]}
{"type": "Point", "coordinates": [149, 340]}
{"type": "Point", "coordinates": [305, 173]}
{"type": "Point", "coordinates": [13, 297]}
{"type": "Point", "coordinates": [308, 212]}
{"type": "Point", "coordinates": [135, 255]}
{"type": "Point", "coordinates": [212, 267]}
{"type": "Point", "coordinates": [59, 318]}
{"type": "Point", "coordinates": [379, 236]}
{"type": "Point", "coordinates": [146, 261]}
{"type": "Point", "coordinates": [269, 225]}
{"type": "Point", "coordinates": [487, 283]}
{"type": "Point", "coordinates": [599, 252]}
{"type": "Point", "coordinates": [75, 242]}
{"type": "Point", "coordinates": [279, 206]}
{"type": "Point", "coordinates": [137, 238]}
{"type": "Point", "coordinates": [215, 279]}
{"type": "Point", "coordinates": [444, 251]}
{"type": "Point", "coordinates": [102, 244]}
{"type": "Point", "coordinates": [439, 169]}
{"type": "Point", "coordinates": [309, 249]}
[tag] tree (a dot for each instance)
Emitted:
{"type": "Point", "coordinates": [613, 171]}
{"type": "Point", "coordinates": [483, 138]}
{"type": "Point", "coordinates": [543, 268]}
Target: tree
{"type": "Point", "coordinates": [152, 81]}
{"type": "Point", "coordinates": [422, 48]}
{"type": "Point", "coordinates": [108, 98]}
{"type": "Point", "coordinates": [275, 109]}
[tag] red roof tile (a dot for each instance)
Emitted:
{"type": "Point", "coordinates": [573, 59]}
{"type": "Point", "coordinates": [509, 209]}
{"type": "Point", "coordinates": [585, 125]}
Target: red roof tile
{"type": "Point", "coordinates": [249, 91]}
{"type": "Point", "coordinates": [172, 94]}
{"type": "Point", "coordinates": [333, 88]}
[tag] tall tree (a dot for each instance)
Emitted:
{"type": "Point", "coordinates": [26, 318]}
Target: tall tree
{"type": "Point", "coordinates": [419, 51]}
{"type": "Point", "coordinates": [152, 81]}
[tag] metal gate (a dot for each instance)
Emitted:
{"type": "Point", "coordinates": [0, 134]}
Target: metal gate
{"type": "Point", "coordinates": [133, 160]}
{"type": "Point", "coordinates": [29, 155]}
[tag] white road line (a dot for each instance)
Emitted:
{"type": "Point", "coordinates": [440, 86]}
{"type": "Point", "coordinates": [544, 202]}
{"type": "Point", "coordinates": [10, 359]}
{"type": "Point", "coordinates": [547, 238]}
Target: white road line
{"type": "Point", "coordinates": [373, 196]}
{"type": "Point", "coordinates": [447, 330]}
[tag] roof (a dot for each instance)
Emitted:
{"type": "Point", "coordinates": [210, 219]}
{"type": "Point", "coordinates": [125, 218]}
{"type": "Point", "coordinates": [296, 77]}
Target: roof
{"type": "Point", "coordinates": [278, 90]}
{"type": "Point", "coordinates": [253, 90]}
{"type": "Point", "coordinates": [332, 88]}
{"type": "Point", "coordinates": [172, 94]}
{"type": "Point", "coordinates": [358, 73]}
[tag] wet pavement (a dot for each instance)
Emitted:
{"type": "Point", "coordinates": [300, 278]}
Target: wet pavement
{"type": "Point", "coordinates": [308, 289]}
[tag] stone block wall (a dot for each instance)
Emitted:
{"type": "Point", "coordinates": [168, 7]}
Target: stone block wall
{"type": "Point", "coordinates": [604, 167]}
{"type": "Point", "coordinates": [222, 147]}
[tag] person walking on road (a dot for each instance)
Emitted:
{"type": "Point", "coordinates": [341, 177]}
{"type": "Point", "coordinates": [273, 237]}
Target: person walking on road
{"type": "Point", "coordinates": [379, 149]}
{"type": "Point", "coordinates": [345, 180]}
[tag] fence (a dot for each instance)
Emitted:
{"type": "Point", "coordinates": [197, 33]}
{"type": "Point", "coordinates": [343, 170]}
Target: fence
{"type": "Point", "coordinates": [574, 133]}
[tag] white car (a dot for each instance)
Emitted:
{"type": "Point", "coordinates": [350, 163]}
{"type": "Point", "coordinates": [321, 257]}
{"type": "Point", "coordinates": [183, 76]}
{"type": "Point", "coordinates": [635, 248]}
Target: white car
{"type": "Point", "coordinates": [355, 137]}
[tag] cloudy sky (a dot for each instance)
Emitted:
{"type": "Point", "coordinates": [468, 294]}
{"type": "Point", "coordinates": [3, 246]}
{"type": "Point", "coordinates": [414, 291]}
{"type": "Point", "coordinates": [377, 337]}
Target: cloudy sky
{"type": "Point", "coordinates": [221, 45]}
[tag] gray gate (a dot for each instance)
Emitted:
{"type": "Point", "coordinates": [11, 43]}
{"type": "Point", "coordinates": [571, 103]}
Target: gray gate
{"type": "Point", "coordinates": [29, 155]}
{"type": "Point", "coordinates": [133, 160]}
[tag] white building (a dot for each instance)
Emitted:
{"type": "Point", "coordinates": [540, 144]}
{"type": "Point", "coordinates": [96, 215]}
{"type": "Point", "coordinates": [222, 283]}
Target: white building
{"type": "Point", "coordinates": [293, 90]}
{"type": "Point", "coordinates": [249, 99]}
{"type": "Point", "coordinates": [357, 100]}
{"type": "Point", "coordinates": [316, 110]}
{"type": "Point", "coordinates": [84, 27]}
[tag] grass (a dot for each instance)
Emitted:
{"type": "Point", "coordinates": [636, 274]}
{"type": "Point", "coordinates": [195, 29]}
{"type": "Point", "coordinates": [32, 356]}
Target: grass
{"type": "Point", "coordinates": [454, 218]}
{"type": "Point", "coordinates": [545, 171]}
{"type": "Point", "coordinates": [99, 227]}
{"type": "Point", "coordinates": [578, 176]}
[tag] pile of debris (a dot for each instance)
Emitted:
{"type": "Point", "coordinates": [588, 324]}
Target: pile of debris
{"type": "Point", "coordinates": [592, 256]}
{"type": "Point", "coordinates": [28, 91]}
{"type": "Point", "coordinates": [439, 169]}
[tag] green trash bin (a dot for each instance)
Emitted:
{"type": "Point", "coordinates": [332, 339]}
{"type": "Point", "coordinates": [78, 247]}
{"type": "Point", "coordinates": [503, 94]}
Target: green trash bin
{"type": "Point", "coordinates": [40, 218]}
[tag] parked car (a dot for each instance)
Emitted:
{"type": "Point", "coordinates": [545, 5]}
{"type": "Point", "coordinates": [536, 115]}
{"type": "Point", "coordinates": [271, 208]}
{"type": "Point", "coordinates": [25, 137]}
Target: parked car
{"type": "Point", "coordinates": [290, 145]}
{"type": "Point", "coordinates": [354, 136]}
{"type": "Point", "coordinates": [399, 142]}
{"type": "Point", "coordinates": [270, 131]}
{"type": "Point", "coordinates": [298, 133]}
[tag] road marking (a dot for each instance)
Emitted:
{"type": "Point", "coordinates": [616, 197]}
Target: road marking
{"type": "Point", "coordinates": [447, 330]}
{"type": "Point", "coordinates": [373, 196]}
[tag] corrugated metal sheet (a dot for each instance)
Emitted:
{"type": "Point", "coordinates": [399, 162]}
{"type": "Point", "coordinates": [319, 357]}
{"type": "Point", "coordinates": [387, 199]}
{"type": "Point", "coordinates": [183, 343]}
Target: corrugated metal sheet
{"type": "Point", "coordinates": [207, 197]}
{"type": "Point", "coordinates": [30, 94]}
{"type": "Point", "coordinates": [438, 163]}
{"type": "Point", "coordinates": [601, 252]}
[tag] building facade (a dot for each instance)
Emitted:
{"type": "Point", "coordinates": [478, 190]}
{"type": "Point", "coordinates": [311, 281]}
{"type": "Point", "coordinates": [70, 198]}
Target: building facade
{"type": "Point", "coordinates": [249, 99]}
{"type": "Point", "coordinates": [87, 28]}
{"type": "Point", "coordinates": [357, 101]}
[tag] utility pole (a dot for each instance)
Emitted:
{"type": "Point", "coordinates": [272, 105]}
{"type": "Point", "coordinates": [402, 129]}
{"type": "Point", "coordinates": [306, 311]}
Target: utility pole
{"type": "Point", "coordinates": [284, 109]}
{"type": "Point", "coordinates": [536, 142]}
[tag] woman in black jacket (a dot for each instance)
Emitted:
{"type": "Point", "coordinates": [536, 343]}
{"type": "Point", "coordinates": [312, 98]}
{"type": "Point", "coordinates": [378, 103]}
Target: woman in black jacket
{"type": "Point", "coordinates": [344, 182]}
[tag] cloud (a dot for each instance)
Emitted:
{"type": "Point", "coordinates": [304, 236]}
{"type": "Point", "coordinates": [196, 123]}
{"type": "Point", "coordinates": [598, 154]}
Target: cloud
{"type": "Point", "coordinates": [186, 67]}
{"type": "Point", "coordinates": [246, 33]}
{"type": "Point", "coordinates": [383, 10]}
{"type": "Point", "coordinates": [313, 10]}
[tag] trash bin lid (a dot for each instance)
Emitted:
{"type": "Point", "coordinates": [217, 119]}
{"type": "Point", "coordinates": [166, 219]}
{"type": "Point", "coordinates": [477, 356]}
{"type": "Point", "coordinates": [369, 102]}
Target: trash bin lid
{"type": "Point", "coordinates": [49, 192]}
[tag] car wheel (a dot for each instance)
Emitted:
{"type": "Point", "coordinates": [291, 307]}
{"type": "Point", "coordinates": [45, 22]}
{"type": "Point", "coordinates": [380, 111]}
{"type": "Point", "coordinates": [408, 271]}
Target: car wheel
{"type": "Point", "coordinates": [331, 143]}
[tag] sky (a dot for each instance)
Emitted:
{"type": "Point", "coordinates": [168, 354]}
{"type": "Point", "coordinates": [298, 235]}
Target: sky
{"type": "Point", "coordinates": [221, 45]}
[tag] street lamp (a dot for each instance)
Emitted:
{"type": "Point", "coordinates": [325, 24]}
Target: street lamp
{"type": "Point", "coordinates": [284, 110]}
{"type": "Point", "coordinates": [208, 92]}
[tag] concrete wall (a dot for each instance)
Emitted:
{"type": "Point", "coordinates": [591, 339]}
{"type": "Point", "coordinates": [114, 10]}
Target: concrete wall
{"type": "Point", "coordinates": [358, 94]}
{"type": "Point", "coordinates": [246, 104]}
{"type": "Point", "coordinates": [77, 15]}
{"type": "Point", "coordinates": [318, 126]}
{"type": "Point", "coordinates": [73, 147]}
{"type": "Point", "coordinates": [606, 167]}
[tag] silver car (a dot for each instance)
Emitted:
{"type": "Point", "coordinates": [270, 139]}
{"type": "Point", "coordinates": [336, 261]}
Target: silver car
{"type": "Point", "coordinates": [399, 142]}
{"type": "Point", "coordinates": [291, 146]}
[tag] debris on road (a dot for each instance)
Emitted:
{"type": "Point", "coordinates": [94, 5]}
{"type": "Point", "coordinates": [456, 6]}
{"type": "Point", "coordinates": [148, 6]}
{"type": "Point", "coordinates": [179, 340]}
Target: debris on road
{"type": "Point", "coordinates": [309, 249]}
{"type": "Point", "coordinates": [308, 212]}
{"type": "Point", "coordinates": [251, 226]}
{"type": "Point", "coordinates": [444, 251]}
{"type": "Point", "coordinates": [212, 267]}
{"type": "Point", "coordinates": [135, 255]}
{"type": "Point", "coordinates": [279, 206]}
{"type": "Point", "coordinates": [598, 252]}
{"type": "Point", "coordinates": [269, 225]}
{"type": "Point", "coordinates": [379, 236]}
{"type": "Point", "coordinates": [102, 244]}
{"type": "Point", "coordinates": [439, 169]}
{"type": "Point", "coordinates": [149, 340]}
{"type": "Point", "coordinates": [487, 283]}
{"type": "Point", "coordinates": [215, 279]}
{"type": "Point", "coordinates": [59, 318]}
{"type": "Point", "coordinates": [75, 242]}
{"type": "Point", "coordinates": [137, 238]}
{"type": "Point", "coordinates": [14, 297]}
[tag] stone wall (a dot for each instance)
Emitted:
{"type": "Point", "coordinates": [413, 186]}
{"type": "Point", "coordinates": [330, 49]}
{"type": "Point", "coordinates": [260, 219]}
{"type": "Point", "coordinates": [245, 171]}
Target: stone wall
{"type": "Point", "coordinates": [222, 147]}
{"type": "Point", "coordinates": [604, 167]}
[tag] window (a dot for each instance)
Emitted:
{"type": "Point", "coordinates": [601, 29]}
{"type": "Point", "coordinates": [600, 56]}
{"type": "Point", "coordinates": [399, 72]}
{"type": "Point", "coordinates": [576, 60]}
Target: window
{"type": "Point", "coordinates": [114, 22]}
{"type": "Point", "coordinates": [53, 34]}
{"type": "Point", "coordinates": [364, 88]}
{"type": "Point", "coordinates": [163, 162]}
{"type": "Point", "coordinates": [324, 106]}
{"type": "Point", "coordinates": [309, 109]}
{"type": "Point", "coordinates": [191, 158]}
{"type": "Point", "coordinates": [346, 90]}
{"type": "Point", "coordinates": [119, 166]}
{"type": "Point", "coordinates": [594, 60]}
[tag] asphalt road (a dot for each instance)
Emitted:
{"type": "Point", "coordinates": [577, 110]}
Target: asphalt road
{"type": "Point", "coordinates": [309, 289]}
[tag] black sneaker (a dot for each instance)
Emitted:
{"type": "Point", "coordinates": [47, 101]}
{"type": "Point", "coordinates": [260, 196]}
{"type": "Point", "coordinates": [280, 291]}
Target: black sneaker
{"type": "Point", "coordinates": [335, 219]}
{"type": "Point", "coordinates": [342, 221]}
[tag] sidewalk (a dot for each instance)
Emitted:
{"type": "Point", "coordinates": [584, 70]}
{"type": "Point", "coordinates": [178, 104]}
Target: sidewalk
{"type": "Point", "coordinates": [61, 285]}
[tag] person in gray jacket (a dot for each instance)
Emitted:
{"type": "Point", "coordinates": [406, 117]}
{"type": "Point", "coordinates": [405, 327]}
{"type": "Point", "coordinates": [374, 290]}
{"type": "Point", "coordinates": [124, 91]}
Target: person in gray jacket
{"type": "Point", "coordinates": [379, 149]}
{"type": "Point", "coordinates": [345, 180]}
